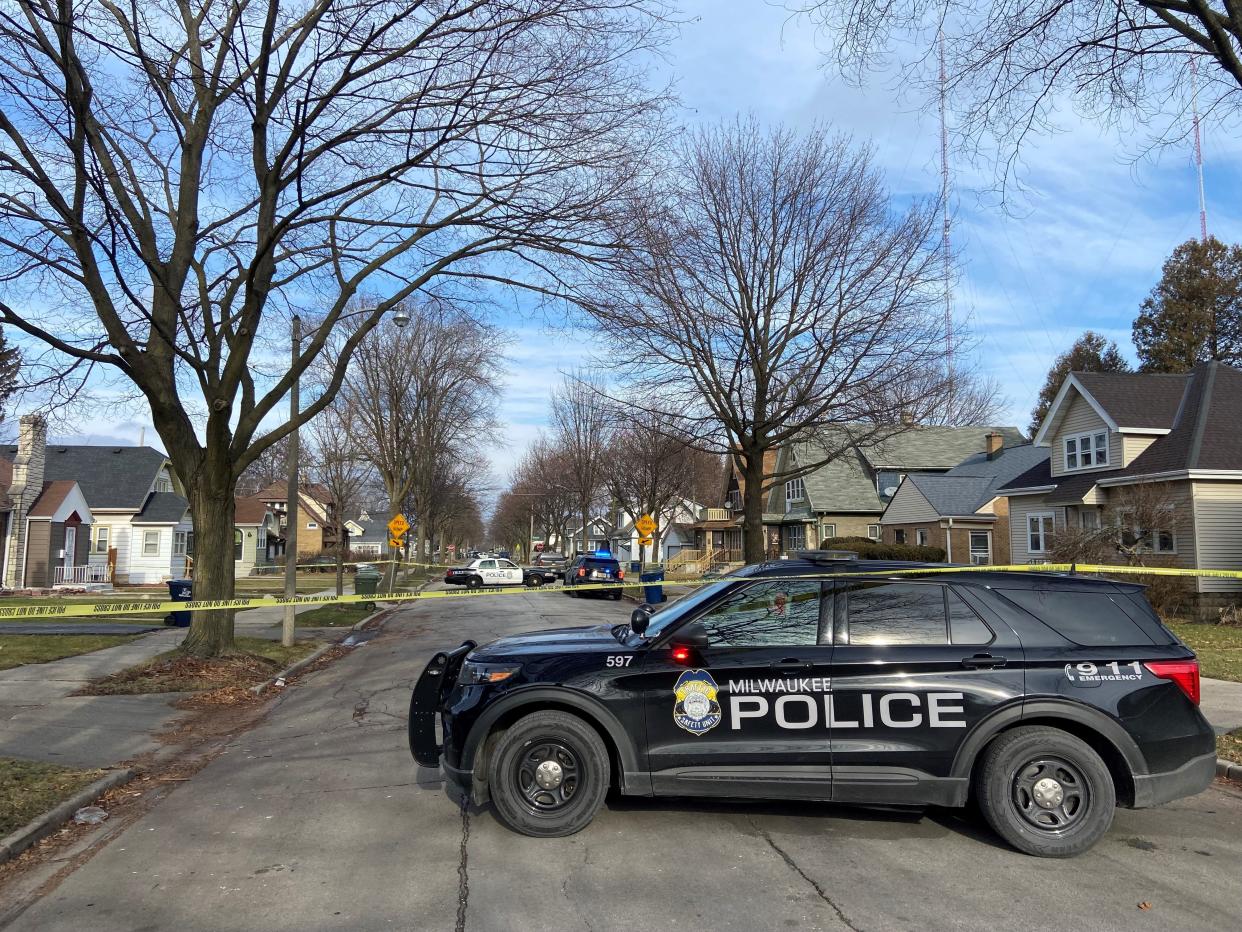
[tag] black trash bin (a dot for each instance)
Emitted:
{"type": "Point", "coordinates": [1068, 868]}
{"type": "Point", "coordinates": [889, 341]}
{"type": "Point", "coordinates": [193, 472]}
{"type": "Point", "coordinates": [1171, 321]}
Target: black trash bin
{"type": "Point", "coordinates": [180, 590]}
{"type": "Point", "coordinates": [653, 595]}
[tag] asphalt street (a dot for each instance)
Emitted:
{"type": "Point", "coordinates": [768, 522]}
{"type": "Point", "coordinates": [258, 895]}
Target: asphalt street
{"type": "Point", "coordinates": [319, 820]}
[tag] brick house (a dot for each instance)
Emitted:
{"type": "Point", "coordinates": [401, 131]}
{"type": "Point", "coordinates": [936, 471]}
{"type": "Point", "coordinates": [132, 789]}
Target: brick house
{"type": "Point", "coordinates": [961, 511]}
{"type": "Point", "coordinates": [316, 517]}
{"type": "Point", "coordinates": [1109, 432]}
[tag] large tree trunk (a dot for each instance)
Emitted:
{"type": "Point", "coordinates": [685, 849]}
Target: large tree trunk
{"type": "Point", "coordinates": [212, 507]}
{"type": "Point", "coordinates": [340, 559]}
{"type": "Point", "coordinates": [752, 508]}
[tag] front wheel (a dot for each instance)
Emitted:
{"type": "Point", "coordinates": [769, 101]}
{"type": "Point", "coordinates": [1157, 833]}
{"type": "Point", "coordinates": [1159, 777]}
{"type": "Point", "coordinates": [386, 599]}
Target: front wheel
{"type": "Point", "coordinates": [548, 775]}
{"type": "Point", "coordinates": [1046, 792]}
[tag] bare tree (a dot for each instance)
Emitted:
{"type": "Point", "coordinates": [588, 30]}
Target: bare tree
{"type": "Point", "coordinates": [648, 469]}
{"type": "Point", "coordinates": [269, 466]}
{"type": "Point", "coordinates": [177, 178]}
{"type": "Point", "coordinates": [770, 290]}
{"type": "Point", "coordinates": [336, 462]}
{"type": "Point", "coordinates": [1010, 64]}
{"type": "Point", "coordinates": [539, 485]}
{"type": "Point", "coordinates": [581, 426]}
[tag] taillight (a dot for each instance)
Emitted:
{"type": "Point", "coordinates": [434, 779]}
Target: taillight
{"type": "Point", "coordinates": [620, 574]}
{"type": "Point", "coordinates": [581, 573]}
{"type": "Point", "coordinates": [1185, 673]}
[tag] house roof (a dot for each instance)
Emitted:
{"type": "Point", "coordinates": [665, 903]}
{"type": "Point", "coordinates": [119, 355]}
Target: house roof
{"type": "Point", "coordinates": [846, 484]}
{"type": "Point", "coordinates": [373, 529]}
{"type": "Point", "coordinates": [249, 511]}
{"type": "Point", "coordinates": [967, 487]}
{"type": "Point", "coordinates": [162, 508]}
{"type": "Point", "coordinates": [109, 477]}
{"type": "Point", "coordinates": [53, 494]}
{"type": "Point", "coordinates": [1136, 399]}
{"type": "Point", "coordinates": [1205, 432]}
{"type": "Point", "coordinates": [279, 491]}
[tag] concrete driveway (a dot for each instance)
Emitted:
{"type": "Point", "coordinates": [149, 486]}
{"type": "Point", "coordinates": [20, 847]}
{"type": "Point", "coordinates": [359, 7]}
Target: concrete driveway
{"type": "Point", "coordinates": [318, 819]}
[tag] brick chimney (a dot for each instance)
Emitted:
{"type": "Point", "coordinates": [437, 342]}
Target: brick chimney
{"type": "Point", "coordinates": [994, 443]}
{"type": "Point", "coordinates": [26, 487]}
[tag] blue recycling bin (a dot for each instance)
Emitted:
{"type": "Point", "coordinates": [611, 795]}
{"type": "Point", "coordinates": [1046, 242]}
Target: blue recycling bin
{"type": "Point", "coordinates": [652, 595]}
{"type": "Point", "coordinates": [180, 590]}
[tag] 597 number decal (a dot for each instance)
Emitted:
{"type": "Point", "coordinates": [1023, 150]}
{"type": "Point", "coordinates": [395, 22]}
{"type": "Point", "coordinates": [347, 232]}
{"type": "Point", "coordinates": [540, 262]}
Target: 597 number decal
{"type": "Point", "coordinates": [619, 660]}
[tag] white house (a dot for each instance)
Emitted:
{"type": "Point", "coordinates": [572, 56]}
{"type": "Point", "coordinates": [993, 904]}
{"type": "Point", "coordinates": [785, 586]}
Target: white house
{"type": "Point", "coordinates": [673, 533]}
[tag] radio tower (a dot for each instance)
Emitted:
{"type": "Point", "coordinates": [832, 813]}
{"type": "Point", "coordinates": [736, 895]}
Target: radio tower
{"type": "Point", "coordinates": [1194, 109]}
{"type": "Point", "coordinates": [944, 199]}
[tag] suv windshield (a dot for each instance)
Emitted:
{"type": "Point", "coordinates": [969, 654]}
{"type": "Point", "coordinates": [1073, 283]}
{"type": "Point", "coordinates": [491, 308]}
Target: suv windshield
{"type": "Point", "coordinates": [671, 614]}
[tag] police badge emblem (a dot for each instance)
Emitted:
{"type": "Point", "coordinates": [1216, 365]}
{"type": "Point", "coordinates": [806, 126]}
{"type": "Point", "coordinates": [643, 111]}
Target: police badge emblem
{"type": "Point", "coordinates": [696, 709]}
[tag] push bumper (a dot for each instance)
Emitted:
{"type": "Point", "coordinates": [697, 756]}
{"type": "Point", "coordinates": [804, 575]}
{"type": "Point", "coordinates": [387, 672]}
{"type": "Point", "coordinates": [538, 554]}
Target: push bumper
{"type": "Point", "coordinates": [426, 700]}
{"type": "Point", "coordinates": [1194, 776]}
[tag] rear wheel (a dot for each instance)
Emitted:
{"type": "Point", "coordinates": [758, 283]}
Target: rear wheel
{"type": "Point", "coordinates": [1045, 791]}
{"type": "Point", "coordinates": [474, 582]}
{"type": "Point", "coordinates": [615, 595]}
{"type": "Point", "coordinates": [548, 775]}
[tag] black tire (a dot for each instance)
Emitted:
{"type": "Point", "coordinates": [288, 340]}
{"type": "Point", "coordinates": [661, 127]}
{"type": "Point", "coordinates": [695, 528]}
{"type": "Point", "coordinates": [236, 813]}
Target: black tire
{"type": "Point", "coordinates": [615, 596]}
{"type": "Point", "coordinates": [474, 582]}
{"type": "Point", "coordinates": [1045, 791]}
{"type": "Point", "coordinates": [529, 806]}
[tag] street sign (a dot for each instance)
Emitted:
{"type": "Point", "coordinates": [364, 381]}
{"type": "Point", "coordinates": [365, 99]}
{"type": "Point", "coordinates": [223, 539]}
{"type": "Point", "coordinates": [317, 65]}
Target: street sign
{"type": "Point", "coordinates": [645, 541]}
{"type": "Point", "coordinates": [645, 525]}
{"type": "Point", "coordinates": [395, 544]}
{"type": "Point", "coordinates": [398, 526]}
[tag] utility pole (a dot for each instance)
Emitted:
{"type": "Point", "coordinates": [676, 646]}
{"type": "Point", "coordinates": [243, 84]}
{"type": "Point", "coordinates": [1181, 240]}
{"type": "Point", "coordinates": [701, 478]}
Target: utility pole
{"type": "Point", "coordinates": [291, 498]}
{"type": "Point", "coordinates": [1194, 104]}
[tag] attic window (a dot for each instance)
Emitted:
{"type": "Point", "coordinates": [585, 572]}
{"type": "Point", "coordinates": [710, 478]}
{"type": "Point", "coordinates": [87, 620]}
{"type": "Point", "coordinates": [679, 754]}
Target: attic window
{"type": "Point", "coordinates": [1084, 451]}
{"type": "Point", "coordinates": [795, 491]}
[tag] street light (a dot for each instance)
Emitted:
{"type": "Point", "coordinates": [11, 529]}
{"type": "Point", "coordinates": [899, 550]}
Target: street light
{"type": "Point", "coordinates": [400, 316]}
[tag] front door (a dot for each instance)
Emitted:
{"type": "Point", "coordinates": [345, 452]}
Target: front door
{"type": "Point", "coordinates": [747, 715]}
{"type": "Point", "coordinates": [914, 669]}
{"type": "Point", "coordinates": [510, 572]}
{"type": "Point", "coordinates": [71, 547]}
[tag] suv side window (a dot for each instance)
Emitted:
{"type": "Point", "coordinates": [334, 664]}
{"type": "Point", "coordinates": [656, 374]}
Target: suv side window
{"type": "Point", "coordinates": [1092, 619]}
{"type": "Point", "coordinates": [768, 614]}
{"type": "Point", "coordinates": [896, 613]}
{"type": "Point", "coordinates": [965, 627]}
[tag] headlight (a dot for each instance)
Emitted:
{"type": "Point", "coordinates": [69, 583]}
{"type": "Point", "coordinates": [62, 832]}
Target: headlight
{"type": "Point", "coordinates": [472, 672]}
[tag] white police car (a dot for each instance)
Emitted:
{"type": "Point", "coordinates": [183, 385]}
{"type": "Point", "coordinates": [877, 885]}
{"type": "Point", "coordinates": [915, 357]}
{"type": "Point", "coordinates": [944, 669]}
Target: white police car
{"type": "Point", "coordinates": [485, 571]}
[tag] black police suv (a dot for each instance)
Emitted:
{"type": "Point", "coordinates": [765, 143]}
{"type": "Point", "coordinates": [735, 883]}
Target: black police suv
{"type": "Point", "coordinates": [1051, 699]}
{"type": "Point", "coordinates": [593, 570]}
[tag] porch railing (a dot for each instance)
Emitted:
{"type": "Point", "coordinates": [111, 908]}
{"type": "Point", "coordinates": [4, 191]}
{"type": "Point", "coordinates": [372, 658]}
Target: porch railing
{"type": "Point", "coordinates": [93, 573]}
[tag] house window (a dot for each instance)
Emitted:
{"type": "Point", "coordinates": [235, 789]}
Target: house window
{"type": "Point", "coordinates": [163, 485]}
{"type": "Point", "coordinates": [179, 543]}
{"type": "Point", "coordinates": [189, 543]}
{"type": "Point", "coordinates": [311, 526]}
{"type": "Point", "coordinates": [920, 537]}
{"type": "Point", "coordinates": [873, 531]}
{"type": "Point", "coordinates": [101, 539]}
{"type": "Point", "coordinates": [980, 547]}
{"type": "Point", "coordinates": [827, 531]}
{"type": "Point", "coordinates": [1039, 531]}
{"type": "Point", "coordinates": [899, 535]}
{"type": "Point", "coordinates": [1083, 451]}
{"type": "Point", "coordinates": [150, 543]}
{"type": "Point", "coordinates": [237, 545]}
{"type": "Point", "coordinates": [1089, 519]}
{"type": "Point", "coordinates": [1165, 542]}
{"type": "Point", "coordinates": [795, 491]}
{"type": "Point", "coordinates": [795, 537]}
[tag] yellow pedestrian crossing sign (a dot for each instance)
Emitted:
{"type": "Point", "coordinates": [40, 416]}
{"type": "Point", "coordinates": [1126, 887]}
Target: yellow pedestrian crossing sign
{"type": "Point", "coordinates": [398, 526]}
{"type": "Point", "coordinates": [645, 525]}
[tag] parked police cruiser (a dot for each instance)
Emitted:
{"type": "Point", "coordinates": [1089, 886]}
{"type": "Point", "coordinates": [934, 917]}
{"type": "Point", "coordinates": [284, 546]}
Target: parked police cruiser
{"type": "Point", "coordinates": [1049, 698]}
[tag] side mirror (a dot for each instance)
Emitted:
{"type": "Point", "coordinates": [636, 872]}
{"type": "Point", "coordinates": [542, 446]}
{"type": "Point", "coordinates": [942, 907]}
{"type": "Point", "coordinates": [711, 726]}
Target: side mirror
{"type": "Point", "coordinates": [640, 618]}
{"type": "Point", "coordinates": [690, 635]}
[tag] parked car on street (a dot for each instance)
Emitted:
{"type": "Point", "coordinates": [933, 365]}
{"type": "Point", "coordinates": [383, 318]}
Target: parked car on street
{"type": "Point", "coordinates": [536, 576]}
{"type": "Point", "coordinates": [593, 569]}
{"type": "Point", "coordinates": [1050, 699]}
{"type": "Point", "coordinates": [485, 571]}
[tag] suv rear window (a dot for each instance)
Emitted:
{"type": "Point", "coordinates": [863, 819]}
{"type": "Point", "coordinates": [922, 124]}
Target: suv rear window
{"type": "Point", "coordinates": [594, 563]}
{"type": "Point", "coordinates": [1091, 619]}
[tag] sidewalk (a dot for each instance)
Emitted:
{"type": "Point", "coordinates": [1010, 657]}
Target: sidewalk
{"type": "Point", "coordinates": [1221, 704]}
{"type": "Point", "coordinates": [41, 720]}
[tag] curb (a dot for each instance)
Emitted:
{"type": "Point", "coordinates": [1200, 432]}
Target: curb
{"type": "Point", "coordinates": [42, 826]}
{"type": "Point", "coordinates": [1228, 770]}
{"type": "Point", "coordinates": [295, 668]}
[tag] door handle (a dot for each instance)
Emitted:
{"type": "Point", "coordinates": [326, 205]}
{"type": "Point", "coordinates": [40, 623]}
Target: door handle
{"type": "Point", "coordinates": [790, 663]}
{"type": "Point", "coordinates": [983, 662]}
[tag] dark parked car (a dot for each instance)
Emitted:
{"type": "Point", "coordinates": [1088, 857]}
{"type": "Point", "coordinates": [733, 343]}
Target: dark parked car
{"type": "Point", "coordinates": [1048, 698]}
{"type": "Point", "coordinates": [536, 576]}
{"type": "Point", "coordinates": [594, 570]}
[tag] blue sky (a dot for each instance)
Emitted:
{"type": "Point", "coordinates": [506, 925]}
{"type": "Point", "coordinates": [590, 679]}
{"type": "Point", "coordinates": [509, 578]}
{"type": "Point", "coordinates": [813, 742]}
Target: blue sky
{"type": "Point", "coordinates": [1080, 249]}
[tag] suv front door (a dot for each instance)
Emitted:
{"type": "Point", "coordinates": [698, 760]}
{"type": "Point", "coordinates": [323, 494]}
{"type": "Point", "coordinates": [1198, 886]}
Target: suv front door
{"type": "Point", "coordinates": [914, 669]}
{"type": "Point", "coordinates": [744, 715]}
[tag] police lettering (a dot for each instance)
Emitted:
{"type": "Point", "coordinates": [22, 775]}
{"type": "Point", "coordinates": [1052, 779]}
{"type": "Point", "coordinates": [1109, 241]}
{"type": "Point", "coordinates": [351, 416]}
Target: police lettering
{"type": "Point", "coordinates": [892, 710]}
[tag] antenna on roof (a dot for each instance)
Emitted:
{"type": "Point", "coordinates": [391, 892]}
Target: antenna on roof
{"type": "Point", "coordinates": [1194, 109]}
{"type": "Point", "coordinates": [142, 436]}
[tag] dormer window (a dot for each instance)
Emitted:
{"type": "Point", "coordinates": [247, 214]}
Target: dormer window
{"type": "Point", "coordinates": [795, 490]}
{"type": "Point", "coordinates": [1083, 451]}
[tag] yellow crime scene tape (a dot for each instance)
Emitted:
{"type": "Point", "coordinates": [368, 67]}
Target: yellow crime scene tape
{"type": "Point", "coordinates": [109, 607]}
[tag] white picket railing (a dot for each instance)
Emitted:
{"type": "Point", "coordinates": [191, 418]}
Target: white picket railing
{"type": "Point", "coordinates": [96, 573]}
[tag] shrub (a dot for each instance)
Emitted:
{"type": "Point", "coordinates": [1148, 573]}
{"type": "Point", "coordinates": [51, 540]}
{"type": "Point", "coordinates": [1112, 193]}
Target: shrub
{"type": "Point", "coordinates": [868, 549]}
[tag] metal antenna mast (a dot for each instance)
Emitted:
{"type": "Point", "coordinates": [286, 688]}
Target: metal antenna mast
{"type": "Point", "coordinates": [1194, 109]}
{"type": "Point", "coordinates": [944, 198]}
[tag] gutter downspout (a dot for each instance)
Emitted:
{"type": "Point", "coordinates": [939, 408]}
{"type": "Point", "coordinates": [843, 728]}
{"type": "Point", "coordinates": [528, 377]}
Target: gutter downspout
{"type": "Point", "coordinates": [948, 540]}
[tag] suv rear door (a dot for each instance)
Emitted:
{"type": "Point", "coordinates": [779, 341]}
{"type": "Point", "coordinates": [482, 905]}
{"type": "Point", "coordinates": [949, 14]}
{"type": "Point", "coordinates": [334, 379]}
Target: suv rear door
{"type": "Point", "coordinates": [914, 669]}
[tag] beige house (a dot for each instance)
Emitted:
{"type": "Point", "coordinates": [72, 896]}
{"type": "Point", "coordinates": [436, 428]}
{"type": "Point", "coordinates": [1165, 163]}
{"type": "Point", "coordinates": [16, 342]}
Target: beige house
{"type": "Point", "coordinates": [316, 517]}
{"type": "Point", "coordinates": [1109, 431]}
